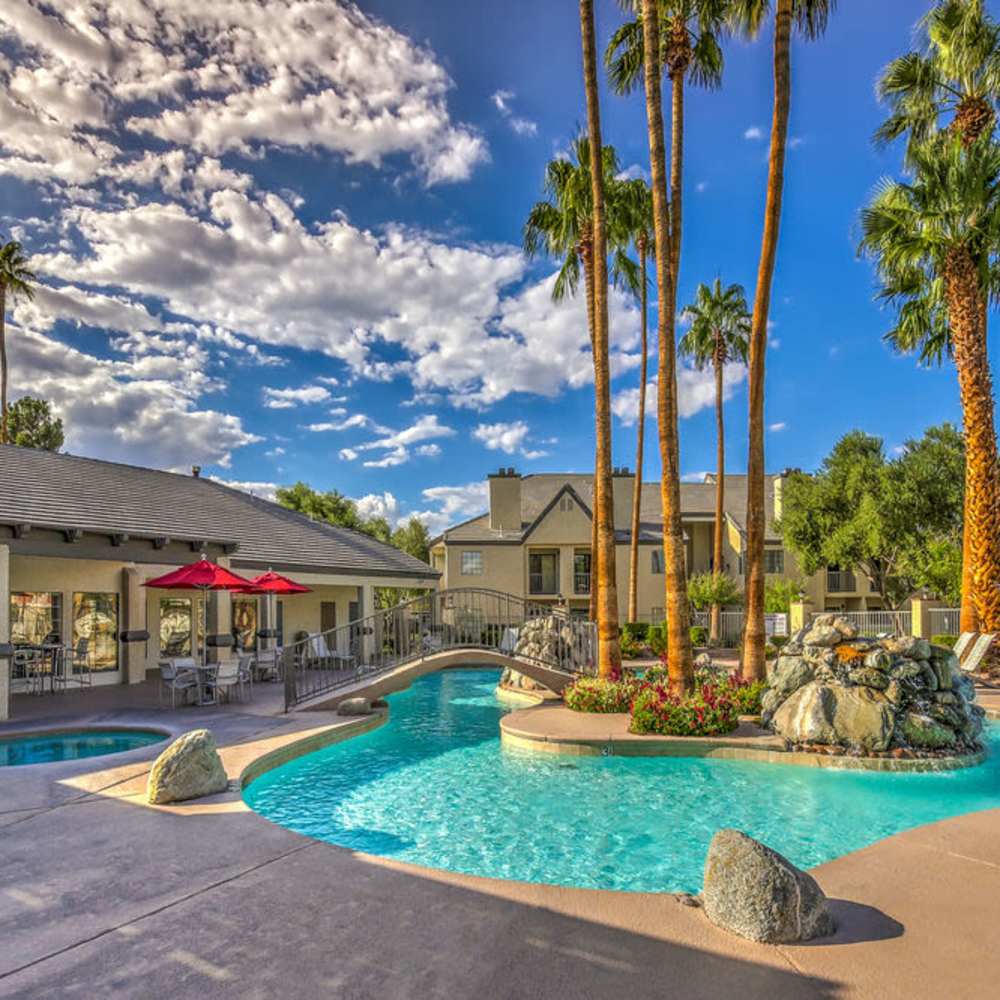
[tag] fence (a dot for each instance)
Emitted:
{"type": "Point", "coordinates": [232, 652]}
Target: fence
{"type": "Point", "coordinates": [944, 621]}
{"type": "Point", "coordinates": [873, 623]}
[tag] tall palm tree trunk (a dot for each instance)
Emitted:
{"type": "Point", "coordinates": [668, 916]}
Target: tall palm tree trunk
{"type": "Point", "coordinates": [754, 635]}
{"type": "Point", "coordinates": [587, 254]}
{"type": "Point", "coordinates": [720, 493]}
{"type": "Point", "coordinates": [680, 665]}
{"type": "Point", "coordinates": [608, 648]}
{"type": "Point", "coordinates": [633, 576]}
{"type": "Point", "coordinates": [967, 619]}
{"type": "Point", "coordinates": [975, 384]}
{"type": "Point", "coordinates": [3, 365]}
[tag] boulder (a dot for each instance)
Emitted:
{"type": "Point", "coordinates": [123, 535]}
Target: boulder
{"type": "Point", "coordinates": [354, 706]}
{"type": "Point", "coordinates": [845, 627]}
{"type": "Point", "coordinates": [703, 662]}
{"type": "Point", "coordinates": [922, 731]}
{"type": "Point", "coordinates": [789, 674]}
{"type": "Point", "coordinates": [188, 769]}
{"type": "Point", "coordinates": [945, 664]}
{"type": "Point", "coordinates": [878, 659]}
{"type": "Point", "coordinates": [754, 892]}
{"type": "Point", "coordinates": [862, 718]}
{"type": "Point", "coordinates": [806, 716]}
{"type": "Point", "coordinates": [909, 646]}
{"type": "Point", "coordinates": [822, 635]}
{"type": "Point", "coordinates": [769, 702]}
{"type": "Point", "coordinates": [869, 677]}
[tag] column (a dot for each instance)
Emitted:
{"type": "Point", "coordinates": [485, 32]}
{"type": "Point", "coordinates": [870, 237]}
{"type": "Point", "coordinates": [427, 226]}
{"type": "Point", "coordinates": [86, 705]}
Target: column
{"type": "Point", "coordinates": [798, 616]}
{"type": "Point", "coordinates": [5, 664]}
{"type": "Point", "coordinates": [920, 625]}
{"type": "Point", "coordinates": [370, 641]}
{"type": "Point", "coordinates": [133, 619]}
{"type": "Point", "coordinates": [218, 614]}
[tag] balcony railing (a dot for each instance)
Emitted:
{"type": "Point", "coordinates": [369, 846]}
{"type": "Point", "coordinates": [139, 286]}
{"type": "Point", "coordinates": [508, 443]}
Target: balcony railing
{"type": "Point", "coordinates": [840, 582]}
{"type": "Point", "coordinates": [542, 583]}
{"type": "Point", "coordinates": [581, 583]}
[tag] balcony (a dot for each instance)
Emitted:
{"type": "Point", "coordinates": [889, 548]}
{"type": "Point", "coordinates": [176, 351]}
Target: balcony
{"type": "Point", "coordinates": [542, 584]}
{"type": "Point", "coordinates": [840, 582]}
{"type": "Point", "coordinates": [581, 583]}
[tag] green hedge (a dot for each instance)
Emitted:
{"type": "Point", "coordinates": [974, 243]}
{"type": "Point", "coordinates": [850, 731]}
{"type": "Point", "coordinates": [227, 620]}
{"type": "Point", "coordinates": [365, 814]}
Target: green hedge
{"type": "Point", "coordinates": [944, 639]}
{"type": "Point", "coordinates": [635, 631]}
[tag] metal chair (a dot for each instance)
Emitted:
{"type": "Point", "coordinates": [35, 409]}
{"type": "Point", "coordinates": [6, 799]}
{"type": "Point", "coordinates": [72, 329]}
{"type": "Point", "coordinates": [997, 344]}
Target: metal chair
{"type": "Point", "coordinates": [72, 665]}
{"type": "Point", "coordinates": [175, 678]}
{"type": "Point", "coordinates": [28, 665]}
{"type": "Point", "coordinates": [227, 677]}
{"type": "Point", "coordinates": [245, 668]}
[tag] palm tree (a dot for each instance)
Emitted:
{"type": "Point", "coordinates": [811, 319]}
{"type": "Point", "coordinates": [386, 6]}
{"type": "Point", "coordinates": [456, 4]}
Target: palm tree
{"type": "Point", "coordinates": [720, 326]}
{"type": "Point", "coordinates": [810, 17]}
{"type": "Point", "coordinates": [15, 279]}
{"type": "Point", "coordinates": [561, 226]}
{"type": "Point", "coordinates": [935, 244]}
{"type": "Point", "coordinates": [680, 663]}
{"type": "Point", "coordinates": [955, 79]}
{"type": "Point", "coordinates": [637, 203]}
{"type": "Point", "coordinates": [608, 649]}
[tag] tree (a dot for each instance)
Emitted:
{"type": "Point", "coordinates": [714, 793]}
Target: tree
{"type": "Point", "coordinates": [954, 82]}
{"type": "Point", "coordinates": [332, 506]}
{"type": "Point", "coordinates": [30, 424]}
{"type": "Point", "coordinates": [720, 325]}
{"type": "Point", "coordinates": [608, 650]}
{"type": "Point", "coordinates": [414, 539]}
{"type": "Point", "coordinates": [880, 517]}
{"type": "Point", "coordinates": [15, 280]}
{"type": "Point", "coordinates": [680, 662]}
{"type": "Point", "coordinates": [810, 17]}
{"type": "Point", "coordinates": [779, 594]}
{"type": "Point", "coordinates": [934, 243]}
{"type": "Point", "coordinates": [637, 201]}
{"type": "Point", "coordinates": [713, 590]}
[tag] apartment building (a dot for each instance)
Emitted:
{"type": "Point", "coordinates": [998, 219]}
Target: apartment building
{"type": "Point", "coordinates": [534, 541]}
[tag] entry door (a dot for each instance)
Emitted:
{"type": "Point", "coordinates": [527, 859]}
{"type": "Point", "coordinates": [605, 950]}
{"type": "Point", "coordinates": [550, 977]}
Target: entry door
{"type": "Point", "coordinates": [327, 616]}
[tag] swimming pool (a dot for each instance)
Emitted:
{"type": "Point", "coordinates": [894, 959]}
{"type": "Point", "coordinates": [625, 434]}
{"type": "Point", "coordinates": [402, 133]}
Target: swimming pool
{"type": "Point", "coordinates": [46, 748]}
{"type": "Point", "coordinates": [435, 787]}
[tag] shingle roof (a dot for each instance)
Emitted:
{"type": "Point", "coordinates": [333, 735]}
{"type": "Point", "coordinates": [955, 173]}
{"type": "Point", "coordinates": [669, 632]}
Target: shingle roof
{"type": "Point", "coordinates": [537, 491]}
{"type": "Point", "coordinates": [46, 489]}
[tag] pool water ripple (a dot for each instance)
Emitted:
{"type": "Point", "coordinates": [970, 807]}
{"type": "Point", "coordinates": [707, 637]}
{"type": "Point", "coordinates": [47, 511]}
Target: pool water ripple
{"type": "Point", "coordinates": [435, 787]}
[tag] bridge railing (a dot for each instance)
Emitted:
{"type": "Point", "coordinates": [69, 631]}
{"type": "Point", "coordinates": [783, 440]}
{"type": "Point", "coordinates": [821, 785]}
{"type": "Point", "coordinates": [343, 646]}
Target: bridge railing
{"type": "Point", "coordinates": [460, 618]}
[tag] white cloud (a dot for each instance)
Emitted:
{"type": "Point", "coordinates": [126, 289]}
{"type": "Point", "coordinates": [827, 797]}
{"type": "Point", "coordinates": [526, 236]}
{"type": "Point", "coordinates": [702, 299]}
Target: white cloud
{"type": "Point", "coordinates": [286, 399]}
{"type": "Point", "coordinates": [502, 102]}
{"type": "Point", "coordinates": [507, 437]}
{"type": "Point", "coordinates": [695, 392]}
{"type": "Point", "coordinates": [396, 444]}
{"type": "Point", "coordinates": [634, 172]}
{"type": "Point", "coordinates": [753, 133]}
{"type": "Point", "coordinates": [451, 504]}
{"type": "Point", "coordinates": [274, 452]}
{"type": "Point", "coordinates": [795, 141]}
{"type": "Point", "coordinates": [264, 490]}
{"type": "Point", "coordinates": [429, 450]}
{"type": "Point", "coordinates": [354, 420]}
{"type": "Point", "coordinates": [779, 426]}
{"type": "Point", "coordinates": [701, 187]}
{"type": "Point", "coordinates": [379, 505]}
{"type": "Point", "coordinates": [695, 477]}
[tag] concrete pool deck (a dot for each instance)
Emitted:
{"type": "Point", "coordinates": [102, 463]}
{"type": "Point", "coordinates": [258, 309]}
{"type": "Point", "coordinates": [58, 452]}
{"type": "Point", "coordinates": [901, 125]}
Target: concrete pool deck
{"type": "Point", "coordinates": [103, 895]}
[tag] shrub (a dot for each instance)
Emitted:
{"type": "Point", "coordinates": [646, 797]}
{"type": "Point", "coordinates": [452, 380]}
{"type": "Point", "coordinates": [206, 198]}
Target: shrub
{"type": "Point", "coordinates": [746, 694]}
{"type": "Point", "coordinates": [778, 641]}
{"type": "Point", "coordinates": [636, 631]}
{"type": "Point", "coordinates": [709, 711]}
{"type": "Point", "coordinates": [699, 635]}
{"type": "Point", "coordinates": [594, 694]}
{"type": "Point", "coordinates": [770, 652]}
{"type": "Point", "coordinates": [706, 589]}
{"type": "Point", "coordinates": [631, 649]}
{"type": "Point", "coordinates": [656, 639]}
{"type": "Point", "coordinates": [657, 674]}
{"type": "Point", "coordinates": [944, 639]}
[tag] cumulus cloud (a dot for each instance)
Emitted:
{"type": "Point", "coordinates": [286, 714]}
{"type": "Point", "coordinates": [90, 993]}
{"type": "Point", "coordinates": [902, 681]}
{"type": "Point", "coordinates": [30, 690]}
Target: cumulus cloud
{"type": "Point", "coordinates": [286, 399]}
{"type": "Point", "coordinates": [450, 504]}
{"type": "Point", "coordinates": [502, 102]}
{"type": "Point", "coordinates": [776, 427]}
{"type": "Point", "coordinates": [695, 391]}
{"type": "Point", "coordinates": [265, 490]}
{"type": "Point", "coordinates": [395, 445]}
{"type": "Point", "coordinates": [507, 437]}
{"type": "Point", "coordinates": [753, 133]}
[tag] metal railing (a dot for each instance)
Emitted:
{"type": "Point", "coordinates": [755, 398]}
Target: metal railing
{"type": "Point", "coordinates": [460, 618]}
{"type": "Point", "coordinates": [543, 584]}
{"type": "Point", "coordinates": [945, 621]}
{"type": "Point", "coordinates": [874, 623]}
{"type": "Point", "coordinates": [581, 583]}
{"type": "Point", "coordinates": [841, 582]}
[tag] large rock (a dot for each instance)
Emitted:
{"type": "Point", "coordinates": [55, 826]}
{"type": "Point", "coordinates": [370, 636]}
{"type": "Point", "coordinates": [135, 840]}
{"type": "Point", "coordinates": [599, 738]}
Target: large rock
{"type": "Point", "coordinates": [354, 706]}
{"type": "Point", "coordinates": [188, 769]}
{"type": "Point", "coordinates": [806, 716]}
{"type": "Point", "coordinates": [924, 732]}
{"type": "Point", "coordinates": [789, 674]}
{"type": "Point", "coordinates": [909, 646]}
{"type": "Point", "coordinates": [862, 718]}
{"type": "Point", "coordinates": [754, 892]}
{"type": "Point", "coordinates": [823, 635]}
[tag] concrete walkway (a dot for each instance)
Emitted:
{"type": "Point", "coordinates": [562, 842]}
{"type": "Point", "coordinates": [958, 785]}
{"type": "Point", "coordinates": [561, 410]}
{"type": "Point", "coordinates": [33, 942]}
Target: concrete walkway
{"type": "Point", "coordinates": [101, 895]}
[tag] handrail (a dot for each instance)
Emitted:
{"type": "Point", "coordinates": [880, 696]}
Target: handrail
{"type": "Point", "coordinates": [457, 618]}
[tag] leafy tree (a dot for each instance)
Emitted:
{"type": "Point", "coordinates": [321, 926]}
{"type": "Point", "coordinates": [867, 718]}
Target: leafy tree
{"type": "Point", "coordinates": [15, 280]}
{"type": "Point", "coordinates": [779, 594]}
{"type": "Point", "coordinates": [413, 538]}
{"type": "Point", "coordinates": [882, 517]}
{"type": "Point", "coordinates": [810, 17]}
{"type": "Point", "coordinates": [713, 590]}
{"type": "Point", "coordinates": [330, 506]}
{"type": "Point", "coordinates": [720, 326]}
{"type": "Point", "coordinates": [30, 424]}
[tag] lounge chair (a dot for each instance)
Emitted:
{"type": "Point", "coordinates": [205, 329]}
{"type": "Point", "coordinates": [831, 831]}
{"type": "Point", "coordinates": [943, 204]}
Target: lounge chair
{"type": "Point", "coordinates": [323, 658]}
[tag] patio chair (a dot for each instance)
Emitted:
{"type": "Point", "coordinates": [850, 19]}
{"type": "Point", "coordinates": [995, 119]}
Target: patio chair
{"type": "Point", "coordinates": [28, 665]}
{"type": "Point", "coordinates": [176, 676]}
{"type": "Point", "coordinates": [245, 667]}
{"type": "Point", "coordinates": [227, 677]}
{"type": "Point", "coordinates": [73, 665]}
{"type": "Point", "coordinates": [267, 664]}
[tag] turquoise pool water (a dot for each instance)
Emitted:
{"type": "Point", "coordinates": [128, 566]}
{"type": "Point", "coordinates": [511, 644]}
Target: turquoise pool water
{"type": "Point", "coordinates": [49, 747]}
{"type": "Point", "coordinates": [435, 787]}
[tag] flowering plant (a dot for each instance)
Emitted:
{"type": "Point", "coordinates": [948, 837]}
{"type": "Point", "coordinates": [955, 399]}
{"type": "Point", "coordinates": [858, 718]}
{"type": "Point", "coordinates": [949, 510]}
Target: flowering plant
{"type": "Point", "coordinates": [595, 694]}
{"type": "Point", "coordinates": [746, 694]}
{"type": "Point", "coordinates": [709, 711]}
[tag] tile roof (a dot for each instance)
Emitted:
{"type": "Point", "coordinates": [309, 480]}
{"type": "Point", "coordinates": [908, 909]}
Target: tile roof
{"type": "Point", "coordinates": [46, 489]}
{"type": "Point", "coordinates": [537, 491]}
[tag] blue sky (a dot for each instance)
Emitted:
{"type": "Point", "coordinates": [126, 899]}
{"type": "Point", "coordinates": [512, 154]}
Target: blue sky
{"type": "Point", "coordinates": [283, 242]}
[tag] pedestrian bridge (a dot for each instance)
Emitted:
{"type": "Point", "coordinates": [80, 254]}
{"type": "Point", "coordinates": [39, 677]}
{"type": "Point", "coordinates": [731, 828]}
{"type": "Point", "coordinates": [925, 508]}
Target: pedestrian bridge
{"type": "Point", "coordinates": [388, 650]}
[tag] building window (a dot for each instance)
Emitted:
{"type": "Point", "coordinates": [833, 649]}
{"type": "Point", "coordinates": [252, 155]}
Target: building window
{"type": "Point", "coordinates": [35, 617]}
{"type": "Point", "coordinates": [581, 573]}
{"type": "Point", "coordinates": [565, 503]}
{"type": "Point", "coordinates": [245, 623]}
{"type": "Point", "coordinates": [774, 561]}
{"type": "Point", "coordinates": [543, 573]}
{"type": "Point", "coordinates": [95, 621]}
{"type": "Point", "coordinates": [656, 561]}
{"type": "Point", "coordinates": [175, 625]}
{"type": "Point", "coordinates": [472, 563]}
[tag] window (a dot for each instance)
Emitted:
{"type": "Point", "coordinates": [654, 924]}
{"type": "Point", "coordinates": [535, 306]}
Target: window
{"type": "Point", "coordinates": [35, 618]}
{"type": "Point", "coordinates": [774, 561]}
{"type": "Point", "coordinates": [95, 620]}
{"type": "Point", "coordinates": [656, 562]}
{"type": "Point", "coordinates": [175, 626]}
{"type": "Point", "coordinates": [581, 573]}
{"type": "Point", "coordinates": [472, 563]}
{"type": "Point", "coordinates": [543, 573]}
{"type": "Point", "coordinates": [245, 623]}
{"type": "Point", "coordinates": [566, 503]}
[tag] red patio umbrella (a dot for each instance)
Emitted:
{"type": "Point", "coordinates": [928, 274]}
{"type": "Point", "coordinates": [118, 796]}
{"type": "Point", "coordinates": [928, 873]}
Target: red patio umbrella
{"type": "Point", "coordinates": [274, 583]}
{"type": "Point", "coordinates": [203, 575]}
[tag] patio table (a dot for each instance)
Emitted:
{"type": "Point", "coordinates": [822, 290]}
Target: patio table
{"type": "Point", "coordinates": [203, 672]}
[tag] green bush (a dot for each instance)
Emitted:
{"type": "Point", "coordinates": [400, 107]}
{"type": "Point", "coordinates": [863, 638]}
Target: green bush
{"type": "Point", "coordinates": [636, 631]}
{"type": "Point", "coordinates": [594, 694]}
{"type": "Point", "coordinates": [699, 635]}
{"type": "Point", "coordinates": [709, 711]}
{"type": "Point", "coordinates": [746, 694]}
{"type": "Point", "coordinates": [631, 649]}
{"type": "Point", "coordinates": [656, 639]}
{"type": "Point", "coordinates": [778, 641]}
{"type": "Point", "coordinates": [944, 639]}
{"type": "Point", "coordinates": [770, 651]}
{"type": "Point", "coordinates": [656, 674]}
